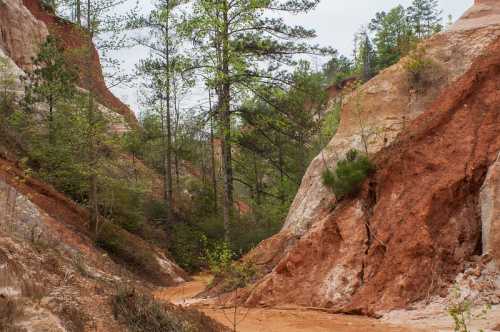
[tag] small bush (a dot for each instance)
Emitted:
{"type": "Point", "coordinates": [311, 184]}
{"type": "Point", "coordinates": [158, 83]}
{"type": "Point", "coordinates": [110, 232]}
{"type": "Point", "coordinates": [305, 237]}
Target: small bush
{"type": "Point", "coordinates": [219, 258]}
{"type": "Point", "coordinates": [142, 313]}
{"type": "Point", "coordinates": [186, 245]}
{"type": "Point", "coordinates": [124, 204]}
{"type": "Point", "coordinates": [349, 174]}
{"type": "Point", "coordinates": [331, 122]}
{"type": "Point", "coordinates": [229, 276]}
{"type": "Point", "coordinates": [129, 251]}
{"type": "Point", "coordinates": [418, 67]}
{"type": "Point", "coordinates": [238, 275]}
{"type": "Point", "coordinates": [460, 310]}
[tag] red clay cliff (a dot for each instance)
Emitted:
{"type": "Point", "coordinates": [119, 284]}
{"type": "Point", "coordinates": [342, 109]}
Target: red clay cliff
{"type": "Point", "coordinates": [418, 220]}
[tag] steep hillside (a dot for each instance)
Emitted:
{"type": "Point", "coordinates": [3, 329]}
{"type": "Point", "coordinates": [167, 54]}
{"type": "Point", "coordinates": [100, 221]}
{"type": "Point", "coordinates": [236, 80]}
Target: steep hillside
{"type": "Point", "coordinates": [25, 24]}
{"type": "Point", "coordinates": [51, 268]}
{"type": "Point", "coordinates": [419, 219]}
{"type": "Point", "coordinates": [53, 276]}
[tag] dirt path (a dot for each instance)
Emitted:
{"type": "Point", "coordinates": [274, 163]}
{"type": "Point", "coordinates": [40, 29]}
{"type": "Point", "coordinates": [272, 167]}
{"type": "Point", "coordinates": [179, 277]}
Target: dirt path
{"type": "Point", "coordinates": [275, 320]}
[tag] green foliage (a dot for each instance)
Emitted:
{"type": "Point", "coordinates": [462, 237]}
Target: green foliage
{"type": "Point", "coordinates": [228, 275]}
{"type": "Point", "coordinates": [132, 142]}
{"type": "Point", "coordinates": [393, 36]}
{"type": "Point", "coordinates": [331, 122]}
{"type": "Point", "coordinates": [337, 69]}
{"type": "Point", "coordinates": [237, 275]}
{"type": "Point", "coordinates": [365, 60]}
{"type": "Point", "coordinates": [52, 79]}
{"type": "Point", "coordinates": [245, 45]}
{"type": "Point", "coordinates": [57, 157]}
{"type": "Point", "coordinates": [349, 174]}
{"type": "Point", "coordinates": [49, 5]}
{"type": "Point", "coordinates": [460, 310]}
{"type": "Point", "coordinates": [7, 98]}
{"type": "Point", "coordinates": [425, 17]}
{"type": "Point", "coordinates": [186, 245]}
{"type": "Point", "coordinates": [123, 203]}
{"type": "Point", "coordinates": [142, 313]}
{"type": "Point", "coordinates": [418, 67]}
{"type": "Point", "coordinates": [277, 138]}
{"type": "Point", "coordinates": [219, 257]}
{"type": "Point", "coordinates": [129, 251]}
{"type": "Point", "coordinates": [7, 79]}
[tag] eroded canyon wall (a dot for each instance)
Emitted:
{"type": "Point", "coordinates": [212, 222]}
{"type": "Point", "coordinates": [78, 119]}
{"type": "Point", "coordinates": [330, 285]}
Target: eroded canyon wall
{"type": "Point", "coordinates": [418, 219]}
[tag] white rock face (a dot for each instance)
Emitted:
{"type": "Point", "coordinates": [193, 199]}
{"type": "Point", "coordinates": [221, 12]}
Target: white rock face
{"type": "Point", "coordinates": [20, 32]}
{"type": "Point", "coordinates": [490, 212]}
{"type": "Point", "coordinates": [20, 37]}
{"type": "Point", "coordinates": [387, 102]}
{"type": "Point", "coordinates": [10, 74]}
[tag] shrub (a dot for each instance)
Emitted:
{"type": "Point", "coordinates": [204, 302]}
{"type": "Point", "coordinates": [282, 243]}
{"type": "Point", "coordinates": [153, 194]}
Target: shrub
{"type": "Point", "coordinates": [418, 67]}
{"type": "Point", "coordinates": [142, 313]}
{"type": "Point", "coordinates": [229, 276]}
{"type": "Point", "coordinates": [187, 245]}
{"type": "Point", "coordinates": [219, 257]}
{"type": "Point", "coordinates": [331, 122]}
{"type": "Point", "coordinates": [74, 319]}
{"type": "Point", "coordinates": [123, 203]}
{"type": "Point", "coordinates": [129, 251]}
{"type": "Point", "coordinates": [349, 174]}
{"type": "Point", "coordinates": [237, 275]}
{"type": "Point", "coordinates": [460, 310]}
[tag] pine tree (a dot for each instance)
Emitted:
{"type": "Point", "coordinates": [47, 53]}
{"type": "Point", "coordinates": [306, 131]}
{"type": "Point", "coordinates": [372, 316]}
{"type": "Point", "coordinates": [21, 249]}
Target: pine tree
{"type": "Point", "coordinates": [364, 56]}
{"type": "Point", "coordinates": [100, 19]}
{"type": "Point", "coordinates": [393, 36]}
{"type": "Point", "coordinates": [425, 17]}
{"type": "Point", "coordinates": [337, 69]}
{"type": "Point", "coordinates": [51, 81]}
{"type": "Point", "coordinates": [158, 70]}
{"type": "Point", "coordinates": [239, 44]}
{"type": "Point", "coordinates": [162, 71]}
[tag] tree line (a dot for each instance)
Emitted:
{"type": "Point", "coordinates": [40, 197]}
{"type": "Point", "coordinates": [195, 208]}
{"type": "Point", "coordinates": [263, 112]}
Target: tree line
{"type": "Point", "coordinates": [388, 37]}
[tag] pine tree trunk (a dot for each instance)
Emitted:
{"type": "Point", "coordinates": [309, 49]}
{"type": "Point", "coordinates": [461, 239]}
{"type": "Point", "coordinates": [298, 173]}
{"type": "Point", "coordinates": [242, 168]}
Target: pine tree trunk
{"type": "Point", "coordinates": [78, 12]}
{"type": "Point", "coordinates": [51, 120]}
{"type": "Point", "coordinates": [168, 159]}
{"type": "Point", "coordinates": [212, 145]}
{"type": "Point", "coordinates": [168, 173]}
{"type": "Point", "coordinates": [225, 120]}
{"type": "Point", "coordinates": [177, 175]}
{"type": "Point", "coordinates": [92, 149]}
{"type": "Point", "coordinates": [174, 137]}
{"type": "Point", "coordinates": [227, 167]}
{"type": "Point", "coordinates": [281, 165]}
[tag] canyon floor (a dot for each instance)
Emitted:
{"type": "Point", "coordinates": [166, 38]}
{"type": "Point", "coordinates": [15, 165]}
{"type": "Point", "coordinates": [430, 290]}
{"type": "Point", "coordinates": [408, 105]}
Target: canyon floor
{"type": "Point", "coordinates": [296, 319]}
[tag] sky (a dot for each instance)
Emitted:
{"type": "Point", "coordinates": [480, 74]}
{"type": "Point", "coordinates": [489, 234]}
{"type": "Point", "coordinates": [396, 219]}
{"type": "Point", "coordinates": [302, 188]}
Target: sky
{"type": "Point", "coordinates": [335, 22]}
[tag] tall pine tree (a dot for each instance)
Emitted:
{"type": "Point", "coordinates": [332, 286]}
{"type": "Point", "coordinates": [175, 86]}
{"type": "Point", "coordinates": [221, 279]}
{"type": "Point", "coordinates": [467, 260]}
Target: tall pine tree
{"type": "Point", "coordinates": [51, 81]}
{"type": "Point", "coordinates": [240, 44]}
{"type": "Point", "coordinates": [393, 36]}
{"type": "Point", "coordinates": [425, 17]}
{"type": "Point", "coordinates": [162, 73]}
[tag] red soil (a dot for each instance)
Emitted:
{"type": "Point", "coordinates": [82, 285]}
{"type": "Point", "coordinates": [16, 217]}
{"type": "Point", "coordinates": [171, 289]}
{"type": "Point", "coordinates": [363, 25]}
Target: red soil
{"type": "Point", "coordinates": [73, 40]}
{"type": "Point", "coordinates": [420, 210]}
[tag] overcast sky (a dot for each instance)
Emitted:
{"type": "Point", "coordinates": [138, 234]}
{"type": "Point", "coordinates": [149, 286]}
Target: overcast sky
{"type": "Point", "coordinates": [335, 22]}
